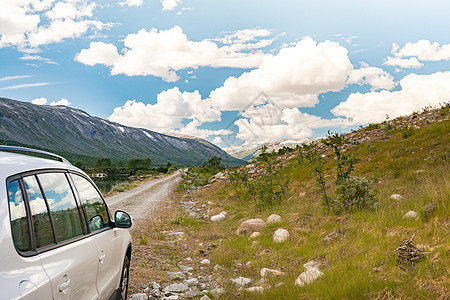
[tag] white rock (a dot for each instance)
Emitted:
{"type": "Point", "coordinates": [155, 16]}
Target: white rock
{"type": "Point", "coordinates": [254, 235]}
{"type": "Point", "coordinates": [255, 289]}
{"type": "Point", "coordinates": [176, 288]}
{"type": "Point", "coordinates": [224, 213]}
{"type": "Point", "coordinates": [266, 271]}
{"type": "Point", "coordinates": [241, 281]}
{"type": "Point", "coordinates": [205, 262]}
{"type": "Point", "coordinates": [274, 218]}
{"type": "Point", "coordinates": [308, 276]}
{"type": "Point", "coordinates": [250, 226]}
{"type": "Point", "coordinates": [218, 218]}
{"type": "Point", "coordinates": [280, 235]}
{"type": "Point", "coordinates": [191, 281]}
{"type": "Point", "coordinates": [217, 292]}
{"type": "Point", "coordinates": [140, 296]}
{"type": "Point", "coordinates": [412, 215]}
{"type": "Point", "coordinates": [397, 197]}
{"type": "Point", "coordinates": [205, 298]}
{"type": "Point", "coordinates": [311, 264]}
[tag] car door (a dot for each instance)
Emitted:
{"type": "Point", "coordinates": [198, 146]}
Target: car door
{"type": "Point", "coordinates": [106, 239]}
{"type": "Point", "coordinates": [68, 256]}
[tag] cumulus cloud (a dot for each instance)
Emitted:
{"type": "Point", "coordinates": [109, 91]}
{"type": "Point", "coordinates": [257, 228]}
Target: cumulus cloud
{"type": "Point", "coordinates": [192, 129]}
{"type": "Point", "coordinates": [131, 3]}
{"type": "Point", "coordinates": [162, 53]}
{"type": "Point", "coordinates": [292, 78]}
{"type": "Point", "coordinates": [39, 101]}
{"type": "Point", "coordinates": [416, 92]}
{"type": "Point", "coordinates": [376, 77]}
{"type": "Point", "coordinates": [32, 23]}
{"type": "Point", "coordinates": [217, 140]}
{"type": "Point", "coordinates": [63, 102]}
{"type": "Point", "coordinates": [171, 108]}
{"type": "Point", "coordinates": [411, 62]}
{"type": "Point", "coordinates": [424, 50]}
{"type": "Point", "coordinates": [170, 4]}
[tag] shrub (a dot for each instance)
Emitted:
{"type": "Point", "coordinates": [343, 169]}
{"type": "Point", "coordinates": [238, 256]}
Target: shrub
{"type": "Point", "coordinates": [354, 193]}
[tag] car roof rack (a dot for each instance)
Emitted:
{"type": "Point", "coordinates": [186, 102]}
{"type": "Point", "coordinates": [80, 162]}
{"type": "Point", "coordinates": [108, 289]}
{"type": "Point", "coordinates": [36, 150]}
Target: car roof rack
{"type": "Point", "coordinates": [24, 150]}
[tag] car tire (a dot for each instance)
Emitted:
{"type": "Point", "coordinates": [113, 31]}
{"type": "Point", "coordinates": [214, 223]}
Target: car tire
{"type": "Point", "coordinates": [124, 278]}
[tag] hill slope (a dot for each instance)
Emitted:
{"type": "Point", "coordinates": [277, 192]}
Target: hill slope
{"type": "Point", "coordinates": [77, 135]}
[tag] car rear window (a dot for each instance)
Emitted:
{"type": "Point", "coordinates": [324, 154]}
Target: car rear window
{"type": "Point", "coordinates": [19, 222]}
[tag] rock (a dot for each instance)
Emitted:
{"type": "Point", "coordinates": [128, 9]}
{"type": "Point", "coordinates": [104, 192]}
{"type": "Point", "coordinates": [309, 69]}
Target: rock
{"type": "Point", "coordinates": [191, 281]}
{"type": "Point", "coordinates": [205, 298]}
{"type": "Point", "coordinates": [303, 194]}
{"type": "Point", "coordinates": [176, 288]}
{"type": "Point", "coordinates": [217, 292]}
{"type": "Point", "coordinates": [140, 296]}
{"type": "Point", "coordinates": [396, 197]}
{"type": "Point", "coordinates": [272, 219]}
{"type": "Point", "coordinates": [429, 209]}
{"type": "Point", "coordinates": [218, 218]}
{"type": "Point", "coordinates": [192, 293]}
{"type": "Point", "coordinates": [411, 215]}
{"type": "Point", "coordinates": [155, 293]}
{"type": "Point", "coordinates": [308, 276]}
{"type": "Point", "coordinates": [255, 289]}
{"type": "Point", "coordinates": [280, 235]}
{"type": "Point", "coordinates": [155, 285]}
{"type": "Point", "coordinates": [185, 269]}
{"type": "Point", "coordinates": [175, 275]}
{"type": "Point", "coordinates": [241, 281]}
{"type": "Point", "coordinates": [205, 262]}
{"type": "Point", "coordinates": [249, 166]}
{"type": "Point", "coordinates": [188, 259]}
{"type": "Point", "coordinates": [254, 235]}
{"type": "Point", "coordinates": [250, 226]}
{"type": "Point", "coordinates": [224, 213]}
{"type": "Point", "coordinates": [311, 265]}
{"type": "Point", "coordinates": [171, 297]}
{"type": "Point", "coordinates": [265, 272]}
{"type": "Point", "coordinates": [218, 268]}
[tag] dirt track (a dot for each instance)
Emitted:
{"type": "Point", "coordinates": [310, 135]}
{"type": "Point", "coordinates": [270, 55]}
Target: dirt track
{"type": "Point", "coordinates": [141, 200]}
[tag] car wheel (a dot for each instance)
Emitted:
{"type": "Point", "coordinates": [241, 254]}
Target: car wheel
{"type": "Point", "coordinates": [124, 278]}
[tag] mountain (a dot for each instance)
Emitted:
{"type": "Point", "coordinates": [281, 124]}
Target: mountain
{"type": "Point", "coordinates": [78, 136]}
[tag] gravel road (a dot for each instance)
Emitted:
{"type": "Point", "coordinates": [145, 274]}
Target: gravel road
{"type": "Point", "coordinates": [140, 201]}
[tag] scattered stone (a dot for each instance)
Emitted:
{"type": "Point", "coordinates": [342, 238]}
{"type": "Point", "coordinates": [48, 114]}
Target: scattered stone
{"type": "Point", "coordinates": [205, 298]}
{"type": "Point", "coordinates": [155, 285]}
{"type": "Point", "coordinates": [311, 265]}
{"type": "Point", "coordinates": [254, 235]}
{"type": "Point", "coordinates": [171, 297]}
{"type": "Point", "coordinates": [192, 293]}
{"type": "Point", "coordinates": [188, 259]}
{"type": "Point", "coordinates": [140, 296]}
{"type": "Point", "coordinates": [248, 263]}
{"type": "Point", "coordinates": [334, 235]}
{"type": "Point", "coordinates": [250, 226]}
{"type": "Point", "coordinates": [218, 218]}
{"type": "Point", "coordinates": [429, 209]}
{"type": "Point", "coordinates": [176, 288]}
{"type": "Point", "coordinates": [308, 276]}
{"type": "Point", "coordinates": [265, 272]}
{"type": "Point", "coordinates": [217, 292]}
{"type": "Point", "coordinates": [255, 289]}
{"type": "Point", "coordinates": [411, 215]}
{"type": "Point", "coordinates": [272, 219]}
{"type": "Point", "coordinates": [205, 262]}
{"type": "Point", "coordinates": [280, 235]}
{"type": "Point", "coordinates": [241, 281]}
{"type": "Point", "coordinates": [279, 284]}
{"type": "Point", "coordinates": [250, 166]}
{"type": "Point", "coordinates": [218, 268]}
{"type": "Point", "coordinates": [191, 281]}
{"type": "Point", "coordinates": [185, 269]}
{"type": "Point", "coordinates": [396, 197]}
{"type": "Point", "coordinates": [224, 213]}
{"type": "Point", "coordinates": [176, 275]}
{"type": "Point", "coordinates": [155, 293]}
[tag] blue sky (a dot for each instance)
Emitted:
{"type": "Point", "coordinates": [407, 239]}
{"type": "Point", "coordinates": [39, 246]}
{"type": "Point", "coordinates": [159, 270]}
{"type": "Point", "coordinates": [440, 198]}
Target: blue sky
{"type": "Point", "coordinates": [233, 72]}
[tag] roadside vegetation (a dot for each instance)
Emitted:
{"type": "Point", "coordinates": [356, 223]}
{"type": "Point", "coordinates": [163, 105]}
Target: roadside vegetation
{"type": "Point", "coordinates": [343, 201]}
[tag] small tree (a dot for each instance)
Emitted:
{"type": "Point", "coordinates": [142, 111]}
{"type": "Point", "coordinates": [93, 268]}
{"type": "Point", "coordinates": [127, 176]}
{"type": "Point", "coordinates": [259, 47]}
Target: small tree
{"type": "Point", "coordinates": [139, 164]}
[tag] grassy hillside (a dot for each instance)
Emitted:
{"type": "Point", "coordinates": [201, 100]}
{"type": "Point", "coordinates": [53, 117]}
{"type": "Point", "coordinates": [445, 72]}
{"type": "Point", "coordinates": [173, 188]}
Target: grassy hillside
{"type": "Point", "coordinates": [408, 156]}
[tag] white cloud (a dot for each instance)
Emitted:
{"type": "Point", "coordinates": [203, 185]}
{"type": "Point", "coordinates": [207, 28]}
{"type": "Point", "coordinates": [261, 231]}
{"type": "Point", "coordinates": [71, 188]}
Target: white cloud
{"type": "Point", "coordinates": [32, 23]}
{"type": "Point", "coordinates": [217, 140]}
{"type": "Point", "coordinates": [63, 102]}
{"type": "Point", "coordinates": [376, 77]}
{"type": "Point", "coordinates": [411, 62]}
{"type": "Point", "coordinates": [162, 53]}
{"type": "Point", "coordinates": [37, 57]}
{"type": "Point", "coordinates": [25, 85]}
{"type": "Point", "coordinates": [170, 4]}
{"type": "Point", "coordinates": [14, 77]}
{"type": "Point", "coordinates": [171, 108]}
{"type": "Point", "coordinates": [131, 3]}
{"type": "Point", "coordinates": [193, 130]}
{"type": "Point", "coordinates": [416, 92]}
{"type": "Point", "coordinates": [292, 78]}
{"type": "Point", "coordinates": [39, 101]}
{"type": "Point", "coordinates": [424, 50]}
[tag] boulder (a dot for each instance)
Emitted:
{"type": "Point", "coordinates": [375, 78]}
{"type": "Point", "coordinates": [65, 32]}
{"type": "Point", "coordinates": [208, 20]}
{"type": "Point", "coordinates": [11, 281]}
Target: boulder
{"type": "Point", "coordinates": [396, 197]}
{"type": "Point", "coordinates": [411, 215]}
{"type": "Point", "coordinates": [272, 219]}
{"type": "Point", "coordinates": [308, 276]}
{"type": "Point", "coordinates": [280, 235]}
{"type": "Point", "coordinates": [176, 288]}
{"type": "Point", "coordinates": [241, 281]}
{"type": "Point", "coordinates": [218, 218]}
{"type": "Point", "coordinates": [250, 226]}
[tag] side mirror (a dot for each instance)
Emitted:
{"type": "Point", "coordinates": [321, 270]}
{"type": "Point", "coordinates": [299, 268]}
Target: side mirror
{"type": "Point", "coordinates": [122, 219]}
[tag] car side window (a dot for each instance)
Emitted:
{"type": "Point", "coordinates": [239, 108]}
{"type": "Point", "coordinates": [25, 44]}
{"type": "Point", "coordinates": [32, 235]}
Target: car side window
{"type": "Point", "coordinates": [63, 208]}
{"type": "Point", "coordinates": [41, 220]}
{"type": "Point", "coordinates": [19, 222]}
{"type": "Point", "coordinates": [95, 208]}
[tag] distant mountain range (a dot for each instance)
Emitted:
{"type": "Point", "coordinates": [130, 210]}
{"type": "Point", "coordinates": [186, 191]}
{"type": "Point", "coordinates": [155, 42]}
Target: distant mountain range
{"type": "Point", "coordinates": [78, 136]}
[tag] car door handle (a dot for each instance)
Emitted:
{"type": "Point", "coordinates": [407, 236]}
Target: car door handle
{"type": "Point", "coordinates": [64, 286]}
{"type": "Point", "coordinates": [102, 256]}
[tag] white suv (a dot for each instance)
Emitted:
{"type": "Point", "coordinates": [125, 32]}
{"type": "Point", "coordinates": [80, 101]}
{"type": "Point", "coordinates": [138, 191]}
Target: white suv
{"type": "Point", "coordinates": [57, 237]}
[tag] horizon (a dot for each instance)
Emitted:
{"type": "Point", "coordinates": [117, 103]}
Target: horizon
{"type": "Point", "coordinates": [277, 71]}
